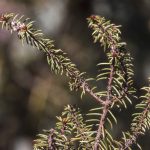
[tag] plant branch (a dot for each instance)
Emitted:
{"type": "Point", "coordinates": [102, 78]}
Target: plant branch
{"type": "Point", "coordinates": [56, 58]}
{"type": "Point", "coordinates": [141, 121]}
{"type": "Point", "coordinates": [136, 133]}
{"type": "Point", "coordinates": [71, 131]}
{"type": "Point", "coordinates": [106, 107]}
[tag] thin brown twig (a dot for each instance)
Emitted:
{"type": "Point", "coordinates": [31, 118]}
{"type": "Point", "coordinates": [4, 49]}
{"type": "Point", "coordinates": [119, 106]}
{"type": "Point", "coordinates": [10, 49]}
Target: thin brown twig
{"type": "Point", "coordinates": [105, 109]}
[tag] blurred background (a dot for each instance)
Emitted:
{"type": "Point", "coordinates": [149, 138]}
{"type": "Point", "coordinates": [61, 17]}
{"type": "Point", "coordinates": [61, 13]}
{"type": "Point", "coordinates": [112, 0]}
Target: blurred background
{"type": "Point", "coordinates": [30, 95]}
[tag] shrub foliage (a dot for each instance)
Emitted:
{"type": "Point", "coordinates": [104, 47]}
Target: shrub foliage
{"type": "Point", "coordinates": [72, 130]}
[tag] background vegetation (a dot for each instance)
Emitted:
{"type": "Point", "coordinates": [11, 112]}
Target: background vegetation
{"type": "Point", "coordinates": [30, 95]}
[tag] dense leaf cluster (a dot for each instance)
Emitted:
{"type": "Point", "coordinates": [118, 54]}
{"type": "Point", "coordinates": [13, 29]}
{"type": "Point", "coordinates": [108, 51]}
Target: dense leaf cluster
{"type": "Point", "coordinates": [72, 131]}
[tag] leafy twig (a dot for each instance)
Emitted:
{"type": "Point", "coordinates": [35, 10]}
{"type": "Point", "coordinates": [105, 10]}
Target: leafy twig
{"type": "Point", "coordinates": [56, 58]}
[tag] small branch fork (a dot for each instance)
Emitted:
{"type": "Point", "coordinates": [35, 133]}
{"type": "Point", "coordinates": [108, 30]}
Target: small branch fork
{"type": "Point", "coordinates": [108, 39]}
{"type": "Point", "coordinates": [105, 109]}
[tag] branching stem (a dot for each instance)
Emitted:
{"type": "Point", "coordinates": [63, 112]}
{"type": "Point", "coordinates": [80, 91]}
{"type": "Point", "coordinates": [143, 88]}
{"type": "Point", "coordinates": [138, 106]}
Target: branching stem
{"type": "Point", "coordinates": [106, 107]}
